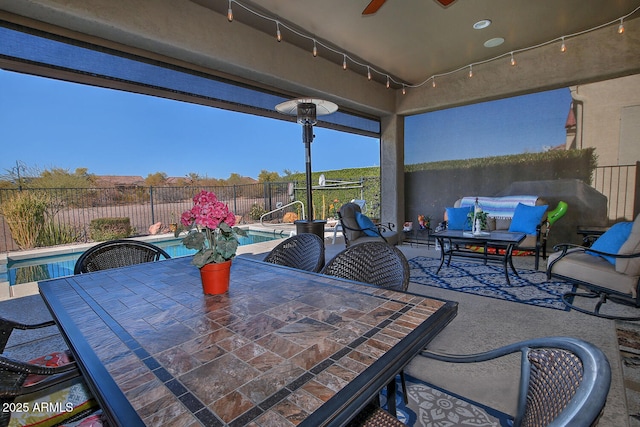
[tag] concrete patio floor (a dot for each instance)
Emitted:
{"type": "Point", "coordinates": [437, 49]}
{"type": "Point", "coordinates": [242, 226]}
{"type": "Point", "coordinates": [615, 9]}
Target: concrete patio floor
{"type": "Point", "coordinates": [481, 324]}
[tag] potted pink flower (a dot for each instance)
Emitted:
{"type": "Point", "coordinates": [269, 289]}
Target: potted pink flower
{"type": "Point", "coordinates": [215, 237]}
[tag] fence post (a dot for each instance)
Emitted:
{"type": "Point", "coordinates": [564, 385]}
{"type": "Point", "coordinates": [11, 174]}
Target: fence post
{"type": "Point", "coordinates": [235, 199]}
{"type": "Point", "coordinates": [153, 216]}
{"type": "Point", "coordinates": [636, 197]}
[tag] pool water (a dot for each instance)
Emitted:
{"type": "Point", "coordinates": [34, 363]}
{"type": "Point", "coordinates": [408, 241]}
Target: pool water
{"type": "Point", "coordinates": [52, 266]}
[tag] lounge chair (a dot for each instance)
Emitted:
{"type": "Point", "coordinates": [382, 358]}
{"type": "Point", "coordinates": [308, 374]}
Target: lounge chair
{"type": "Point", "coordinates": [609, 269]}
{"type": "Point", "coordinates": [358, 228]}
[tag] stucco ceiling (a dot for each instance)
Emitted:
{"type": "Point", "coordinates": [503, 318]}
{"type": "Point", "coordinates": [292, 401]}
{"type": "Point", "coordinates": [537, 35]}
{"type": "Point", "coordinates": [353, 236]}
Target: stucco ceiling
{"type": "Point", "coordinates": [412, 40]}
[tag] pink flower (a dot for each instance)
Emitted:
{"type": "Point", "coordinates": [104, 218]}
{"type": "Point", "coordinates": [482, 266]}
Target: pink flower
{"type": "Point", "coordinates": [208, 211]}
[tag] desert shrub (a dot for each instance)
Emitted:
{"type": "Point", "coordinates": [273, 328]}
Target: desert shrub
{"type": "Point", "coordinates": [57, 234]}
{"type": "Point", "coordinates": [25, 213]}
{"type": "Point", "coordinates": [103, 229]}
{"type": "Point", "coordinates": [256, 211]}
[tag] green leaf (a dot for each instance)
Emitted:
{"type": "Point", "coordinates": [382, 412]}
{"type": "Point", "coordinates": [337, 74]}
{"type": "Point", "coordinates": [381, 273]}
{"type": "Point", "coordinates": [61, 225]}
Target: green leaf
{"type": "Point", "coordinates": [239, 231]}
{"type": "Point", "coordinates": [227, 248]}
{"type": "Point", "coordinates": [194, 240]}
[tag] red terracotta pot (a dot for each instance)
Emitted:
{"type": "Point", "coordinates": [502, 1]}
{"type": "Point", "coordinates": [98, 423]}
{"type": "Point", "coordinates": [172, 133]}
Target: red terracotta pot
{"type": "Point", "coordinates": [215, 278]}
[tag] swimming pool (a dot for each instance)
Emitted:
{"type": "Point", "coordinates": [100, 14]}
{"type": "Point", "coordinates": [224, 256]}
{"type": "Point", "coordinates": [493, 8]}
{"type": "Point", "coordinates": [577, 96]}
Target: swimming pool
{"type": "Point", "coordinates": [52, 266]}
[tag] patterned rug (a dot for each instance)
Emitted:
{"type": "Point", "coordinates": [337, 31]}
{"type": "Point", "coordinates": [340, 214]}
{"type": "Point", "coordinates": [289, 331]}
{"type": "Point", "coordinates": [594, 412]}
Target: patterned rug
{"type": "Point", "coordinates": [430, 406]}
{"type": "Point", "coordinates": [488, 280]}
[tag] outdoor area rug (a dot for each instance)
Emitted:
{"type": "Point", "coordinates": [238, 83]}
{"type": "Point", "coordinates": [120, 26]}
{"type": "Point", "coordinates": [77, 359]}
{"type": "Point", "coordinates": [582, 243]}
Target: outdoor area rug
{"type": "Point", "coordinates": [488, 280]}
{"type": "Point", "coordinates": [430, 406]}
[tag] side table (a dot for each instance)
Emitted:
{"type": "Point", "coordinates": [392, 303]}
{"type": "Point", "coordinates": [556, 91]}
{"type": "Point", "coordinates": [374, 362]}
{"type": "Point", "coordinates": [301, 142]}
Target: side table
{"type": "Point", "coordinates": [419, 236]}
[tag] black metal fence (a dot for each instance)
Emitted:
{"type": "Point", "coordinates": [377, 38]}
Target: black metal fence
{"type": "Point", "coordinates": [620, 185]}
{"type": "Point", "coordinates": [71, 210]}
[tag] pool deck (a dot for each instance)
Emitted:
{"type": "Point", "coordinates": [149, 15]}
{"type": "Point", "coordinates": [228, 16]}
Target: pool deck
{"type": "Point", "coordinates": [25, 289]}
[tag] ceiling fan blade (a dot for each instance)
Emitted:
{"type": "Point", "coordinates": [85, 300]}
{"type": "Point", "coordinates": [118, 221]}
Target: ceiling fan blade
{"type": "Point", "coordinates": [445, 2]}
{"type": "Point", "coordinates": [373, 7]}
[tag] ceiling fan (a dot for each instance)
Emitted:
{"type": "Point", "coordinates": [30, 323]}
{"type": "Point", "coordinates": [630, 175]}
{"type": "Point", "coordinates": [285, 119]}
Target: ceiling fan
{"type": "Point", "coordinates": [377, 4]}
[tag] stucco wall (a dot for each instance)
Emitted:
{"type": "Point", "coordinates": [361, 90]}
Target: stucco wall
{"type": "Point", "coordinates": [600, 110]}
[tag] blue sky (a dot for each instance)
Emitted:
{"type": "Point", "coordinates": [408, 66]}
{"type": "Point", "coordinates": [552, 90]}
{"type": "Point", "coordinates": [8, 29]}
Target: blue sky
{"type": "Point", "coordinates": [521, 124]}
{"type": "Point", "coordinates": [46, 123]}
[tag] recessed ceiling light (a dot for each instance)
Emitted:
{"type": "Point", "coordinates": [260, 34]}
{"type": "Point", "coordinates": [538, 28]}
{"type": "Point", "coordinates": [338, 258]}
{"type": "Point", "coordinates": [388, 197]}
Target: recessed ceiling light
{"type": "Point", "coordinates": [497, 41]}
{"type": "Point", "coordinates": [483, 23]}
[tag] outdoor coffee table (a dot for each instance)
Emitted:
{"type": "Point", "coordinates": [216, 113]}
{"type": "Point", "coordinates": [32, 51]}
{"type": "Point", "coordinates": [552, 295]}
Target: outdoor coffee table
{"type": "Point", "coordinates": [457, 241]}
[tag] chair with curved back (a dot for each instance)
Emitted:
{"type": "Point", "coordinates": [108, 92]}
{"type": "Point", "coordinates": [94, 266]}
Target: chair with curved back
{"type": "Point", "coordinates": [358, 228]}
{"type": "Point", "coordinates": [376, 263]}
{"type": "Point", "coordinates": [53, 373]}
{"type": "Point", "coordinates": [381, 264]}
{"type": "Point", "coordinates": [304, 251]}
{"type": "Point", "coordinates": [564, 381]}
{"type": "Point", "coordinates": [118, 253]}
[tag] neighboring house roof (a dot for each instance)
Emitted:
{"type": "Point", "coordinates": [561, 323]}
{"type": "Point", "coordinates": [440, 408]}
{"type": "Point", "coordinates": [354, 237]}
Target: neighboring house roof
{"type": "Point", "coordinates": [571, 118]}
{"type": "Point", "coordinates": [118, 180]}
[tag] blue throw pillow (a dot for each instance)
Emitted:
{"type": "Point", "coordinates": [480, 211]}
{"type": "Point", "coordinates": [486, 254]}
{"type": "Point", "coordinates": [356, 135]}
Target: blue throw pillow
{"type": "Point", "coordinates": [457, 218]}
{"type": "Point", "coordinates": [612, 240]}
{"type": "Point", "coordinates": [526, 218]}
{"type": "Point", "coordinates": [368, 227]}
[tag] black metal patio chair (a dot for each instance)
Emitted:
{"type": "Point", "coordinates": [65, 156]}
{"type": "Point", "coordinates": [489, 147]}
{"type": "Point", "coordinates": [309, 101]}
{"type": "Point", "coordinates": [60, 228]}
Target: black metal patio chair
{"type": "Point", "coordinates": [304, 251]}
{"type": "Point", "coordinates": [118, 253]}
{"type": "Point", "coordinates": [19, 378]}
{"type": "Point", "coordinates": [353, 232]}
{"type": "Point", "coordinates": [563, 381]}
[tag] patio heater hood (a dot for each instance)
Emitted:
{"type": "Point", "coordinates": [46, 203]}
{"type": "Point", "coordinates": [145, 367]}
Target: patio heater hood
{"type": "Point", "coordinates": [306, 110]}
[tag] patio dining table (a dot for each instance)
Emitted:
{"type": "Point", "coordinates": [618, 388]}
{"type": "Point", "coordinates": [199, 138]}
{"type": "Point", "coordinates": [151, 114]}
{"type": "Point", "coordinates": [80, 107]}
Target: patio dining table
{"type": "Point", "coordinates": [282, 347]}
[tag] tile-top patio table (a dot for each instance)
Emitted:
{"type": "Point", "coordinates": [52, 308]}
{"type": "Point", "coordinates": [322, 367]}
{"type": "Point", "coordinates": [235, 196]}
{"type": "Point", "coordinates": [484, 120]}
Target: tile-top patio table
{"type": "Point", "coordinates": [498, 240]}
{"type": "Point", "coordinates": [282, 347]}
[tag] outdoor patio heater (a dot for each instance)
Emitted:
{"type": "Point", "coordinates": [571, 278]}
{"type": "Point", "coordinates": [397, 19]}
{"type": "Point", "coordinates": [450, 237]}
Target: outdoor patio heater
{"type": "Point", "coordinates": [307, 110]}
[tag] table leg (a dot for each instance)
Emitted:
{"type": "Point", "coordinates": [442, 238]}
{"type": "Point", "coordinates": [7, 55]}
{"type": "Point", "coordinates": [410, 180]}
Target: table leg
{"type": "Point", "coordinates": [508, 258]}
{"type": "Point", "coordinates": [391, 397]}
{"type": "Point", "coordinates": [441, 243]}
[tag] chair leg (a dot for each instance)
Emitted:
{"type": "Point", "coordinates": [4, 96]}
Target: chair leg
{"type": "Point", "coordinates": [602, 298]}
{"type": "Point", "coordinates": [404, 388]}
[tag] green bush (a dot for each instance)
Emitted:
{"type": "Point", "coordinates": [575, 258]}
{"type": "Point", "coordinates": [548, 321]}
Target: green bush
{"type": "Point", "coordinates": [57, 234]}
{"type": "Point", "coordinates": [25, 213]}
{"type": "Point", "coordinates": [256, 211]}
{"type": "Point", "coordinates": [103, 229]}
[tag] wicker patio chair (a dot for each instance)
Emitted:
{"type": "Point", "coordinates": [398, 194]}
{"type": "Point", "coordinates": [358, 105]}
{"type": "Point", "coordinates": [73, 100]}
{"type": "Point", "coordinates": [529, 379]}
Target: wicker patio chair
{"type": "Point", "coordinates": [374, 416]}
{"type": "Point", "coordinates": [118, 253]}
{"type": "Point", "coordinates": [304, 251]}
{"type": "Point", "coordinates": [376, 263]}
{"type": "Point", "coordinates": [563, 381]}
